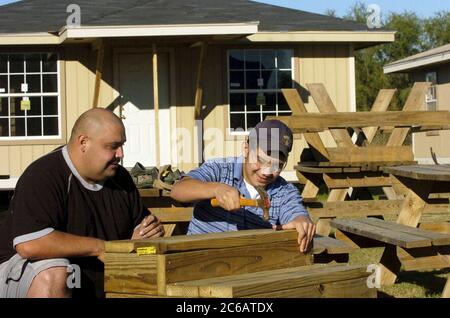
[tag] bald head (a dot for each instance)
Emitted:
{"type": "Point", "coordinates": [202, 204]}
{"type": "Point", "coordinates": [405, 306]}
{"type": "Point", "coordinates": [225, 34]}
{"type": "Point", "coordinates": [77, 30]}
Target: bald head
{"type": "Point", "coordinates": [93, 122]}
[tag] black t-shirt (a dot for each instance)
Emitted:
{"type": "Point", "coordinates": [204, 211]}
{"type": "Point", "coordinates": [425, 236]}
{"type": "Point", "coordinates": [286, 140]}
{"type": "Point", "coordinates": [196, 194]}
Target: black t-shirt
{"type": "Point", "coordinates": [51, 195]}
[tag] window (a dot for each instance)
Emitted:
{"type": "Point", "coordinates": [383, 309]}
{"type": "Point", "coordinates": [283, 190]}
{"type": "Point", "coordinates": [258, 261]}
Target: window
{"type": "Point", "coordinates": [255, 80]}
{"type": "Point", "coordinates": [29, 96]}
{"type": "Point", "coordinates": [430, 98]}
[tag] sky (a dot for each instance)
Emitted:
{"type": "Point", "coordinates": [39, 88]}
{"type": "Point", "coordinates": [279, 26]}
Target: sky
{"type": "Point", "coordinates": [423, 9]}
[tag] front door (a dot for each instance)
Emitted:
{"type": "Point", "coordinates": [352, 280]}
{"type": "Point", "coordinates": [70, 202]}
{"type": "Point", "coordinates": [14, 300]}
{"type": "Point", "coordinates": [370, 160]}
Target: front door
{"type": "Point", "coordinates": [135, 85]}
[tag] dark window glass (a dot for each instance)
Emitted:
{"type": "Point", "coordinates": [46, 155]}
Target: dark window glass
{"type": "Point", "coordinates": [236, 60]}
{"type": "Point", "coordinates": [34, 127]}
{"type": "Point", "coordinates": [267, 60]}
{"type": "Point", "coordinates": [17, 127]}
{"type": "Point", "coordinates": [35, 106]}
{"type": "Point", "coordinates": [282, 104]}
{"type": "Point", "coordinates": [4, 83]}
{"type": "Point", "coordinates": [4, 106]}
{"type": "Point", "coordinates": [33, 63]}
{"type": "Point", "coordinates": [3, 63]}
{"type": "Point", "coordinates": [16, 63]}
{"type": "Point", "coordinates": [250, 99]}
{"type": "Point", "coordinates": [252, 60]}
{"type": "Point", "coordinates": [269, 78]}
{"type": "Point", "coordinates": [4, 127]}
{"type": "Point", "coordinates": [284, 59]}
{"type": "Point", "coordinates": [15, 106]}
{"type": "Point", "coordinates": [15, 83]}
{"type": "Point", "coordinates": [50, 126]}
{"type": "Point", "coordinates": [34, 83]}
{"type": "Point", "coordinates": [51, 105]}
{"type": "Point", "coordinates": [284, 79]}
{"type": "Point", "coordinates": [49, 61]}
{"type": "Point", "coordinates": [236, 80]}
{"type": "Point", "coordinates": [271, 102]}
{"type": "Point", "coordinates": [251, 79]}
{"type": "Point", "coordinates": [237, 121]}
{"type": "Point", "coordinates": [237, 102]}
{"type": "Point", "coordinates": [49, 83]}
{"type": "Point", "coordinates": [253, 120]}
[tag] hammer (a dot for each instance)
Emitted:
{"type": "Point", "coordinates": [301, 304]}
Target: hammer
{"type": "Point", "coordinates": [263, 202]}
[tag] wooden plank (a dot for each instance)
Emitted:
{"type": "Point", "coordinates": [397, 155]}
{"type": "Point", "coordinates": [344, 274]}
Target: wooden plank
{"type": "Point", "coordinates": [198, 82]}
{"type": "Point", "coordinates": [313, 139]}
{"type": "Point", "coordinates": [437, 239]}
{"type": "Point", "coordinates": [331, 245]}
{"type": "Point", "coordinates": [371, 154]}
{"type": "Point", "coordinates": [439, 227]}
{"type": "Point", "coordinates": [424, 258]}
{"type": "Point", "coordinates": [446, 292]}
{"type": "Point", "coordinates": [381, 104]}
{"type": "Point", "coordinates": [357, 241]}
{"type": "Point", "coordinates": [380, 234]}
{"type": "Point", "coordinates": [168, 229]}
{"type": "Point", "coordinates": [358, 180]}
{"type": "Point", "coordinates": [98, 74]}
{"type": "Point", "coordinates": [173, 214]}
{"type": "Point", "coordinates": [325, 105]}
{"type": "Point", "coordinates": [156, 104]}
{"type": "Point", "coordinates": [203, 241]}
{"type": "Point", "coordinates": [420, 172]}
{"type": "Point", "coordinates": [268, 281]}
{"type": "Point", "coordinates": [414, 101]}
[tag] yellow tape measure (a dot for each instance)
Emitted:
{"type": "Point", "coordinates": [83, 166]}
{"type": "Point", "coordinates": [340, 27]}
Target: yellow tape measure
{"type": "Point", "coordinates": [146, 250]}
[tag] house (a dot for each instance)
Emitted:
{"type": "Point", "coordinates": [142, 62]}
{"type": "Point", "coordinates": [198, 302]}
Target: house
{"type": "Point", "coordinates": [430, 66]}
{"type": "Point", "coordinates": [220, 66]}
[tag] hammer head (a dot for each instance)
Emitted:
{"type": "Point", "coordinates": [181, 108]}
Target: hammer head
{"type": "Point", "coordinates": [264, 202]}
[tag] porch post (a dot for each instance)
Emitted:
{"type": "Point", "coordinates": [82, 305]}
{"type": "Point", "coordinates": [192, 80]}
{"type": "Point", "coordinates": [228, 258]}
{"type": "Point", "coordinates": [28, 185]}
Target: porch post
{"type": "Point", "coordinates": [98, 73]}
{"type": "Point", "coordinates": [156, 103]}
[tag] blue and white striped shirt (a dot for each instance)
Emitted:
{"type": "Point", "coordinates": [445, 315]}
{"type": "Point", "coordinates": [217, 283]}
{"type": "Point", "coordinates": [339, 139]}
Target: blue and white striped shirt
{"type": "Point", "coordinates": [285, 200]}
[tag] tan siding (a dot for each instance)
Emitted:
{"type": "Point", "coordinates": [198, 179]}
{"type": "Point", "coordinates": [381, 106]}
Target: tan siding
{"type": "Point", "coordinates": [38, 151]}
{"type": "Point", "coordinates": [15, 161]}
{"type": "Point", "coordinates": [4, 160]}
{"type": "Point", "coordinates": [26, 156]}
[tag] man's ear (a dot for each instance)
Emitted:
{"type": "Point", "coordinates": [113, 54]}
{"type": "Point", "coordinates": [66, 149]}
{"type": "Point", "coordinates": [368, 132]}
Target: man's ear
{"type": "Point", "coordinates": [82, 141]}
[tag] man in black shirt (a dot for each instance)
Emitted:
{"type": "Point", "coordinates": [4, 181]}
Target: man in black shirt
{"type": "Point", "coordinates": [66, 205]}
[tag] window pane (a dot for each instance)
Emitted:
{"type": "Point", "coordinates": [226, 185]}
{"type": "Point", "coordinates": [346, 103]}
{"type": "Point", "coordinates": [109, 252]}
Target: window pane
{"type": "Point", "coordinates": [15, 82]}
{"type": "Point", "coordinates": [4, 106]}
{"type": "Point", "coordinates": [34, 127]}
{"type": "Point", "coordinates": [49, 83]}
{"type": "Point", "coordinates": [237, 102]}
{"type": "Point", "coordinates": [284, 79]}
{"type": "Point", "coordinates": [250, 99]}
{"type": "Point", "coordinates": [49, 61]}
{"type": "Point", "coordinates": [35, 106]}
{"type": "Point", "coordinates": [4, 127]}
{"type": "Point", "coordinates": [271, 102]}
{"type": "Point", "coordinates": [236, 80]}
{"type": "Point", "coordinates": [3, 63]}
{"type": "Point", "coordinates": [284, 59]}
{"type": "Point", "coordinates": [34, 83]}
{"type": "Point", "coordinates": [236, 60]}
{"type": "Point", "coordinates": [50, 126]}
{"type": "Point", "coordinates": [4, 83]}
{"type": "Point", "coordinates": [268, 114]}
{"type": "Point", "coordinates": [251, 79]}
{"type": "Point", "coordinates": [33, 62]}
{"type": "Point", "coordinates": [15, 106]}
{"type": "Point", "coordinates": [237, 121]}
{"type": "Point", "coordinates": [51, 105]}
{"type": "Point", "coordinates": [253, 120]}
{"type": "Point", "coordinates": [17, 127]}
{"type": "Point", "coordinates": [267, 60]}
{"type": "Point", "coordinates": [270, 81]}
{"type": "Point", "coordinates": [16, 63]}
{"type": "Point", "coordinates": [282, 104]}
{"type": "Point", "coordinates": [252, 59]}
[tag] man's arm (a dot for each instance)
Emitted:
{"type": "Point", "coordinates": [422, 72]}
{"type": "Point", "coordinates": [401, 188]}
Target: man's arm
{"type": "Point", "coordinates": [60, 245]}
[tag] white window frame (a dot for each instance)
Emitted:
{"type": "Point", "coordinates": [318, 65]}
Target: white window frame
{"type": "Point", "coordinates": [230, 130]}
{"type": "Point", "coordinates": [42, 116]}
{"type": "Point", "coordinates": [431, 96]}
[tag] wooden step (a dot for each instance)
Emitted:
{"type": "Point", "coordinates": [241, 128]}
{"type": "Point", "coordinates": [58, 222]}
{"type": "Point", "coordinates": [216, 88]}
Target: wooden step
{"type": "Point", "coordinates": [331, 246]}
{"type": "Point", "coordinates": [306, 281]}
{"type": "Point", "coordinates": [391, 233]}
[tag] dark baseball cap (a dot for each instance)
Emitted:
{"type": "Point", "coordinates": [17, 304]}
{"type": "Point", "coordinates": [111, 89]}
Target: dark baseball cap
{"type": "Point", "coordinates": [272, 136]}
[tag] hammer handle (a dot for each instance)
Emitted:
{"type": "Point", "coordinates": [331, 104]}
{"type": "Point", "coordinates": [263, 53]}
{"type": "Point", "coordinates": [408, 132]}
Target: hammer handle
{"type": "Point", "coordinates": [242, 202]}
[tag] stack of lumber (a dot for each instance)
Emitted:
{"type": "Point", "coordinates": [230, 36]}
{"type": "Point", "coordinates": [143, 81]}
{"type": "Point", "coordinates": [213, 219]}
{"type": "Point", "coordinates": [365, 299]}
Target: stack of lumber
{"type": "Point", "coordinates": [252, 263]}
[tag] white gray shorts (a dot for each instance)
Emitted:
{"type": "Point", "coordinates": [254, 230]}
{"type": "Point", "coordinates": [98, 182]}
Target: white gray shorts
{"type": "Point", "coordinates": [17, 273]}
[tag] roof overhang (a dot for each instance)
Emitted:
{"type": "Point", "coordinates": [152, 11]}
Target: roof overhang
{"type": "Point", "coordinates": [29, 39]}
{"type": "Point", "coordinates": [411, 64]}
